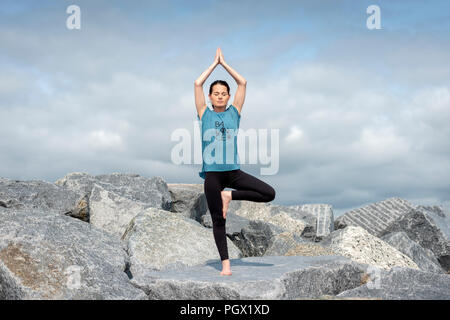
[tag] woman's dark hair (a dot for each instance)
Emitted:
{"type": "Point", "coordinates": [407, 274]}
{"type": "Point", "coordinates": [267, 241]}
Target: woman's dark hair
{"type": "Point", "coordinates": [222, 82]}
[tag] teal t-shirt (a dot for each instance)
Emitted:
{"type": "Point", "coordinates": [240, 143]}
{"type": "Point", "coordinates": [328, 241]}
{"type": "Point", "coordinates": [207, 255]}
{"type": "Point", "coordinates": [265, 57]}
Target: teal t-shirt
{"type": "Point", "coordinates": [219, 140]}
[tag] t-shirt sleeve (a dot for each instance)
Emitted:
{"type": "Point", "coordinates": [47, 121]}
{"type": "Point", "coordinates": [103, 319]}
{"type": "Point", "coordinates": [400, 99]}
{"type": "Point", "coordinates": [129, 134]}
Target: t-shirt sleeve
{"type": "Point", "coordinates": [204, 113]}
{"type": "Point", "coordinates": [235, 111]}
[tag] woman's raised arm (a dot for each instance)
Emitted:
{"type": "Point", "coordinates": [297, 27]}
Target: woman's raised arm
{"type": "Point", "coordinates": [200, 102]}
{"type": "Point", "coordinates": [239, 97]}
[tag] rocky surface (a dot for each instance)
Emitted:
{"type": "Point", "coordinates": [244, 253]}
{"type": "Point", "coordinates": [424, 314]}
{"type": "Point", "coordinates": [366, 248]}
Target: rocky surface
{"type": "Point", "coordinates": [153, 192]}
{"type": "Point", "coordinates": [110, 211]}
{"type": "Point", "coordinates": [45, 195]}
{"type": "Point", "coordinates": [157, 238]}
{"type": "Point", "coordinates": [324, 217]}
{"type": "Point", "coordinates": [114, 199]}
{"type": "Point", "coordinates": [252, 237]}
{"type": "Point", "coordinates": [429, 227]}
{"type": "Point", "coordinates": [188, 200]}
{"type": "Point", "coordinates": [48, 256]}
{"type": "Point", "coordinates": [271, 277]}
{"type": "Point", "coordinates": [403, 284]}
{"type": "Point", "coordinates": [286, 218]}
{"type": "Point", "coordinates": [424, 258]}
{"type": "Point", "coordinates": [123, 236]}
{"type": "Point", "coordinates": [359, 245]}
{"type": "Point", "coordinates": [375, 217]}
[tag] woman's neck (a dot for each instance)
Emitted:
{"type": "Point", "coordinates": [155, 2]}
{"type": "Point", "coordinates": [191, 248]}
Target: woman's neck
{"type": "Point", "coordinates": [219, 109]}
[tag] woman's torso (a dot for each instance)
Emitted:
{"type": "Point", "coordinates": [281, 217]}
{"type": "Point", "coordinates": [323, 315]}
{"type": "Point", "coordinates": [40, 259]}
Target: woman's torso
{"type": "Point", "coordinates": [219, 134]}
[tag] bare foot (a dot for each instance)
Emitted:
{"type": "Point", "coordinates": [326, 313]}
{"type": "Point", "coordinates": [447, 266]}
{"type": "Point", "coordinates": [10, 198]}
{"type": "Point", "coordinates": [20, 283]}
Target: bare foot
{"type": "Point", "coordinates": [226, 198]}
{"type": "Point", "coordinates": [226, 270]}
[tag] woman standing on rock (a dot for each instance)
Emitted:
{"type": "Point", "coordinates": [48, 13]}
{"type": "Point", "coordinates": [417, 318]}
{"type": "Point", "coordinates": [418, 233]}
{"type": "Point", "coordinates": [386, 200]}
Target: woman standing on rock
{"type": "Point", "coordinates": [219, 128]}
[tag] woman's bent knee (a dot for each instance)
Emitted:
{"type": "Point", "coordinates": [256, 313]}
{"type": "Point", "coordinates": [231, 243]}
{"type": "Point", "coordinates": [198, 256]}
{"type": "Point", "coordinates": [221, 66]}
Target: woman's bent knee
{"type": "Point", "coordinates": [271, 194]}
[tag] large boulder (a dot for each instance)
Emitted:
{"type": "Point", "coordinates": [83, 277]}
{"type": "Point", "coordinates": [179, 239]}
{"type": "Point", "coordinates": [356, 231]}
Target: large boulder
{"type": "Point", "coordinates": [429, 227]}
{"type": "Point", "coordinates": [281, 244]}
{"type": "Point", "coordinates": [157, 238]}
{"type": "Point", "coordinates": [250, 210]}
{"type": "Point", "coordinates": [375, 217]}
{"type": "Point", "coordinates": [403, 284]}
{"type": "Point", "coordinates": [36, 194]}
{"type": "Point", "coordinates": [252, 237]}
{"type": "Point", "coordinates": [288, 244]}
{"type": "Point", "coordinates": [285, 218]}
{"type": "Point", "coordinates": [359, 245]}
{"type": "Point", "coordinates": [44, 255]}
{"type": "Point", "coordinates": [424, 258]}
{"type": "Point", "coordinates": [114, 199]}
{"type": "Point", "coordinates": [150, 191]}
{"type": "Point", "coordinates": [188, 200]}
{"type": "Point", "coordinates": [258, 278]}
{"type": "Point", "coordinates": [112, 212]}
{"type": "Point", "coordinates": [234, 223]}
{"type": "Point", "coordinates": [294, 219]}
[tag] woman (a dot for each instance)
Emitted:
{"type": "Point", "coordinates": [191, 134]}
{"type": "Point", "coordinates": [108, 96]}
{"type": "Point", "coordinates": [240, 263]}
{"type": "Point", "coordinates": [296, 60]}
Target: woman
{"type": "Point", "coordinates": [224, 174]}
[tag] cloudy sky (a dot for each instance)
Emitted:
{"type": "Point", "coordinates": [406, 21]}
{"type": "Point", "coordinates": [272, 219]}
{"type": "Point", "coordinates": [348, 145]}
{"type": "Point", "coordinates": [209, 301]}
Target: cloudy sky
{"type": "Point", "coordinates": [363, 114]}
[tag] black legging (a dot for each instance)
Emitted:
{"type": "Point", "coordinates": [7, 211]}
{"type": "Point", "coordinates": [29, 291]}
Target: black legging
{"type": "Point", "coordinates": [247, 187]}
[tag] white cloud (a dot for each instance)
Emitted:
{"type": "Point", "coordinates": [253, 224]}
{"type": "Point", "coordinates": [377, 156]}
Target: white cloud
{"type": "Point", "coordinates": [295, 134]}
{"type": "Point", "coordinates": [100, 140]}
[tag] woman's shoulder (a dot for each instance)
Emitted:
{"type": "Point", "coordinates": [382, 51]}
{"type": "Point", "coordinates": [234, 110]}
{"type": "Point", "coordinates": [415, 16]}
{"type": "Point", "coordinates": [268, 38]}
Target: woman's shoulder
{"type": "Point", "coordinates": [205, 112]}
{"type": "Point", "coordinates": [233, 109]}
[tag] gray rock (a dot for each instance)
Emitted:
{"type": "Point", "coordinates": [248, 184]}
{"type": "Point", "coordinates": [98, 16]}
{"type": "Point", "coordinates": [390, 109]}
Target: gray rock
{"type": "Point", "coordinates": [286, 219]}
{"type": "Point", "coordinates": [256, 278]}
{"type": "Point", "coordinates": [234, 223]}
{"type": "Point", "coordinates": [44, 255]}
{"type": "Point", "coordinates": [289, 244]}
{"type": "Point", "coordinates": [156, 238]}
{"type": "Point", "coordinates": [324, 220]}
{"type": "Point", "coordinates": [424, 258]}
{"type": "Point", "coordinates": [428, 227]}
{"type": "Point", "coordinates": [359, 245]}
{"type": "Point", "coordinates": [254, 239]}
{"type": "Point", "coordinates": [152, 192]}
{"type": "Point", "coordinates": [295, 212]}
{"type": "Point", "coordinates": [403, 284]}
{"type": "Point", "coordinates": [288, 222]}
{"type": "Point", "coordinates": [250, 210]}
{"type": "Point", "coordinates": [251, 237]}
{"type": "Point", "coordinates": [375, 217]}
{"type": "Point", "coordinates": [188, 200]}
{"type": "Point", "coordinates": [111, 212]}
{"type": "Point", "coordinates": [281, 244]}
{"type": "Point", "coordinates": [36, 194]}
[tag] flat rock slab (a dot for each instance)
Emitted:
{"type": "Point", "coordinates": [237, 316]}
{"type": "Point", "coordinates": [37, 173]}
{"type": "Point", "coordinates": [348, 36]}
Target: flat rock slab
{"type": "Point", "coordinates": [268, 277]}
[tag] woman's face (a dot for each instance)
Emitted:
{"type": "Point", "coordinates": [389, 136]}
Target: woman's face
{"type": "Point", "coordinates": [219, 96]}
